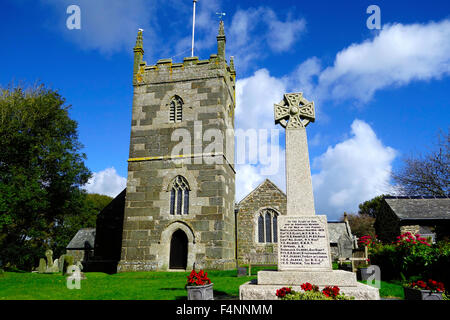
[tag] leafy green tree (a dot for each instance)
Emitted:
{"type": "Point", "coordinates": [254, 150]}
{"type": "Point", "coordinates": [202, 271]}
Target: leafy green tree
{"type": "Point", "coordinates": [371, 207]}
{"type": "Point", "coordinates": [41, 173]}
{"type": "Point", "coordinates": [86, 218]}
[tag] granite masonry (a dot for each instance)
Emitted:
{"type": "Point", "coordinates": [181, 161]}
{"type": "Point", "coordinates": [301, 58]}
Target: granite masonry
{"type": "Point", "coordinates": [179, 206]}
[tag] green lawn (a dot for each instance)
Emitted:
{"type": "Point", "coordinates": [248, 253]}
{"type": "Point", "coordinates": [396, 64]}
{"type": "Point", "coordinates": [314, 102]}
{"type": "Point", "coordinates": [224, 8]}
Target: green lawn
{"type": "Point", "coordinates": [121, 286]}
{"type": "Point", "coordinates": [131, 286]}
{"type": "Point", "coordinates": [390, 289]}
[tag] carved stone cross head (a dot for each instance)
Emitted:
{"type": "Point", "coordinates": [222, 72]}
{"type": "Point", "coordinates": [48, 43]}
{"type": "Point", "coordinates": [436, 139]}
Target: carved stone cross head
{"type": "Point", "coordinates": [294, 111]}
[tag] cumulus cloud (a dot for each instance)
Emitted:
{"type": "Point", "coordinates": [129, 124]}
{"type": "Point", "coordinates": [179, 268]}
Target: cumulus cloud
{"type": "Point", "coordinates": [258, 151]}
{"type": "Point", "coordinates": [398, 55]}
{"type": "Point", "coordinates": [106, 182]}
{"type": "Point", "coordinates": [352, 171]}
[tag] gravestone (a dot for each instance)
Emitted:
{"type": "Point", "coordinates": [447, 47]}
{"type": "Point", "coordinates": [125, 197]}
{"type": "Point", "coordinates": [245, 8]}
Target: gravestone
{"type": "Point", "coordinates": [345, 247]}
{"type": "Point", "coordinates": [42, 266]}
{"type": "Point", "coordinates": [61, 264]}
{"type": "Point", "coordinates": [303, 246]}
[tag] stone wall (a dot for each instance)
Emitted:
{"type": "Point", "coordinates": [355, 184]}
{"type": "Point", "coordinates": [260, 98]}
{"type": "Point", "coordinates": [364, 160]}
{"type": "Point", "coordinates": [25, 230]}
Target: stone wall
{"type": "Point", "coordinates": [265, 196]}
{"type": "Point", "coordinates": [414, 229]}
{"type": "Point", "coordinates": [161, 150]}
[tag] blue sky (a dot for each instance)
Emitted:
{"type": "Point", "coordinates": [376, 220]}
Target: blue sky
{"type": "Point", "coordinates": [380, 95]}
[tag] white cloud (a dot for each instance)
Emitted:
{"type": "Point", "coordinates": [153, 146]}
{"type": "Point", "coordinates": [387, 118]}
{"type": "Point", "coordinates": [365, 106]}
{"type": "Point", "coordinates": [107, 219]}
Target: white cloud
{"type": "Point", "coordinates": [398, 55]}
{"type": "Point", "coordinates": [254, 29]}
{"type": "Point", "coordinates": [352, 171]}
{"type": "Point", "coordinates": [255, 97]}
{"type": "Point", "coordinates": [106, 182]}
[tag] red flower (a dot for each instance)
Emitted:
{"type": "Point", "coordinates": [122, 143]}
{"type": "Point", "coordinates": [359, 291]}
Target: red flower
{"type": "Point", "coordinates": [309, 287]}
{"type": "Point", "coordinates": [199, 279]}
{"type": "Point", "coordinates": [281, 293]}
{"type": "Point", "coordinates": [332, 292]}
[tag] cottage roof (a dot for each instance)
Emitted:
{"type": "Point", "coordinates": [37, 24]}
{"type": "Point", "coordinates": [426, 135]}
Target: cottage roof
{"type": "Point", "coordinates": [413, 208]}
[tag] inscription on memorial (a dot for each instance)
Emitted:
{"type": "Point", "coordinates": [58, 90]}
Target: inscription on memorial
{"type": "Point", "coordinates": [303, 243]}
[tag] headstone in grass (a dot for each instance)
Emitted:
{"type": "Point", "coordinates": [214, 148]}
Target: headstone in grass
{"type": "Point", "coordinates": [61, 264]}
{"type": "Point", "coordinates": [42, 266]}
{"type": "Point", "coordinates": [49, 256]}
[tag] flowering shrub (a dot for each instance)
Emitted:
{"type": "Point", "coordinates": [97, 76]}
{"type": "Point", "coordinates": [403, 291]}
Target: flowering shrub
{"type": "Point", "coordinates": [368, 241]}
{"type": "Point", "coordinates": [198, 279]}
{"type": "Point", "coordinates": [412, 257]}
{"type": "Point", "coordinates": [311, 292]}
{"type": "Point", "coordinates": [281, 293]}
{"type": "Point", "coordinates": [407, 239]}
{"type": "Point", "coordinates": [432, 285]}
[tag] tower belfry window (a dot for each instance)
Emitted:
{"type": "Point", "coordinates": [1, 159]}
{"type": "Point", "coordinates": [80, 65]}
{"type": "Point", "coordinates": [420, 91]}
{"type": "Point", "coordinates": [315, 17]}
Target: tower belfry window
{"type": "Point", "coordinates": [179, 196]}
{"type": "Point", "coordinates": [176, 110]}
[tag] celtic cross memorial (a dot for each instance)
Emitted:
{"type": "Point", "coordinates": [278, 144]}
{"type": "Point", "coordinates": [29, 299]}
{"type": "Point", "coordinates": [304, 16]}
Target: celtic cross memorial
{"type": "Point", "coordinates": [303, 235]}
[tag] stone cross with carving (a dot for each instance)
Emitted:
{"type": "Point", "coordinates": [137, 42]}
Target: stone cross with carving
{"type": "Point", "coordinates": [294, 113]}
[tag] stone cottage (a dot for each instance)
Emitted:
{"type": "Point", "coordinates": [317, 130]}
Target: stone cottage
{"type": "Point", "coordinates": [427, 216]}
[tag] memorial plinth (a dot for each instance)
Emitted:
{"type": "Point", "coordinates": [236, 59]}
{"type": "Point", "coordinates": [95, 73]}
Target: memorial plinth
{"type": "Point", "coordinates": [303, 242]}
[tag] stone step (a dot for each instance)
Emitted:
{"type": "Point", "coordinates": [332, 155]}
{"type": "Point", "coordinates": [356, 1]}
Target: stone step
{"type": "Point", "coordinates": [251, 291]}
{"type": "Point", "coordinates": [319, 278]}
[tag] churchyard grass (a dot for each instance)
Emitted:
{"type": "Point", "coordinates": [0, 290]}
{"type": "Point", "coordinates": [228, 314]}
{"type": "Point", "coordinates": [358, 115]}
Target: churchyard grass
{"type": "Point", "coordinates": [392, 289]}
{"type": "Point", "coordinates": [121, 286]}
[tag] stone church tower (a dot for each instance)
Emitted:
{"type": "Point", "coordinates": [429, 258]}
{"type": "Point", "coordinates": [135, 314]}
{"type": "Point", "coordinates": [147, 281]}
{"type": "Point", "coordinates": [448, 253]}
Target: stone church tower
{"type": "Point", "coordinates": [179, 205]}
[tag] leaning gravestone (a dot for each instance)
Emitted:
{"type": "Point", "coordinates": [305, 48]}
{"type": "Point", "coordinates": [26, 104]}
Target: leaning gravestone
{"type": "Point", "coordinates": [303, 246]}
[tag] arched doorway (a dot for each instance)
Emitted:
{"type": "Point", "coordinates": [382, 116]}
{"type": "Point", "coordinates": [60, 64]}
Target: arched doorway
{"type": "Point", "coordinates": [178, 250]}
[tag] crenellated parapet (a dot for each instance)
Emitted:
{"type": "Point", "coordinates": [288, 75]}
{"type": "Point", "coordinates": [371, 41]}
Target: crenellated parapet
{"type": "Point", "coordinates": [192, 68]}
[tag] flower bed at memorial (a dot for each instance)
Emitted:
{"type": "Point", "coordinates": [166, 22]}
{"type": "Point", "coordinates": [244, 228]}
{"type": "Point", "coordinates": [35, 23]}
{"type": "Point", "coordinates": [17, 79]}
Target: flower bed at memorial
{"type": "Point", "coordinates": [312, 292]}
{"type": "Point", "coordinates": [410, 257]}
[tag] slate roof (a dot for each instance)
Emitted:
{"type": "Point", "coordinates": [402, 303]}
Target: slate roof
{"type": "Point", "coordinates": [83, 237]}
{"type": "Point", "coordinates": [407, 208]}
{"type": "Point", "coordinates": [335, 230]}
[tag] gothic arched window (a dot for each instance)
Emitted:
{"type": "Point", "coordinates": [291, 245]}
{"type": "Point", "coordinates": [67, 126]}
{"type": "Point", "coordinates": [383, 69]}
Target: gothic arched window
{"type": "Point", "coordinates": [267, 226]}
{"type": "Point", "coordinates": [260, 228]}
{"type": "Point", "coordinates": [176, 109]}
{"type": "Point", "coordinates": [179, 196]}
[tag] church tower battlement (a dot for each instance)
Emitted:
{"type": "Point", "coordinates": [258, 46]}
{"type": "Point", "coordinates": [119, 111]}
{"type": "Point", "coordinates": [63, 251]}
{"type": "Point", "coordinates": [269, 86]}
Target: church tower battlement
{"type": "Point", "coordinates": [179, 207]}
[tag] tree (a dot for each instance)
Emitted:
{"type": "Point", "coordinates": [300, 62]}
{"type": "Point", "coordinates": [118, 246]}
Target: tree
{"type": "Point", "coordinates": [427, 175]}
{"type": "Point", "coordinates": [371, 207]}
{"type": "Point", "coordinates": [361, 224]}
{"type": "Point", "coordinates": [41, 173]}
{"type": "Point", "coordinates": [86, 217]}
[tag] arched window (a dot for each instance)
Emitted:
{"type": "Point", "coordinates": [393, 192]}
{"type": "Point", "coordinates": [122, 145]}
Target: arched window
{"type": "Point", "coordinates": [179, 196]}
{"type": "Point", "coordinates": [260, 228]}
{"type": "Point", "coordinates": [267, 226]}
{"type": "Point", "coordinates": [176, 109]}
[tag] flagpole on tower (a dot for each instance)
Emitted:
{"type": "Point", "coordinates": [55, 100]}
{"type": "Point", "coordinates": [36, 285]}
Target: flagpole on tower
{"type": "Point", "coordinates": [193, 28]}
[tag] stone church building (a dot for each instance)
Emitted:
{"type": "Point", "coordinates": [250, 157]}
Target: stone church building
{"type": "Point", "coordinates": [178, 209]}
